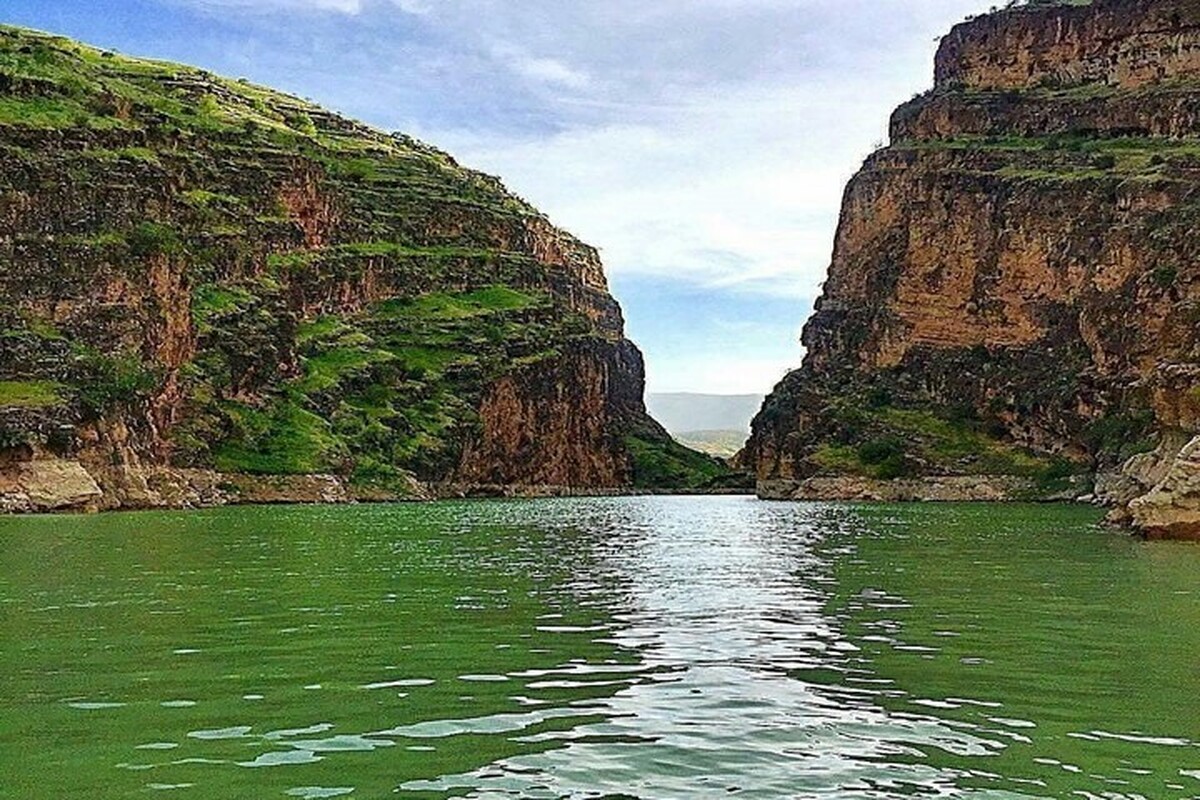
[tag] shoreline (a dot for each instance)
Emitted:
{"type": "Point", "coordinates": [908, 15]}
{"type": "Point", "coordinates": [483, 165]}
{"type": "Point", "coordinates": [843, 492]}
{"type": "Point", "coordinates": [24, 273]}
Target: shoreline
{"type": "Point", "coordinates": [61, 486]}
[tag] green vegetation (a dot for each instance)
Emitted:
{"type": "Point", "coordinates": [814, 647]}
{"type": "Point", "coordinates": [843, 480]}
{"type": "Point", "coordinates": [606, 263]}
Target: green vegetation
{"type": "Point", "coordinates": [1164, 277]}
{"type": "Point", "coordinates": [202, 198]}
{"type": "Point", "coordinates": [51, 113]}
{"type": "Point", "coordinates": [57, 83]}
{"type": "Point", "coordinates": [443, 307]}
{"type": "Point", "coordinates": [390, 389]}
{"type": "Point", "coordinates": [1072, 156]}
{"type": "Point", "coordinates": [142, 154]}
{"type": "Point", "coordinates": [1120, 435]}
{"type": "Point", "coordinates": [886, 442]}
{"type": "Point", "coordinates": [103, 381]}
{"type": "Point", "coordinates": [286, 440]}
{"type": "Point", "coordinates": [666, 464]}
{"type": "Point", "coordinates": [152, 238]}
{"type": "Point", "coordinates": [330, 368]}
{"type": "Point", "coordinates": [215, 301]}
{"type": "Point", "coordinates": [885, 456]}
{"type": "Point", "coordinates": [30, 394]}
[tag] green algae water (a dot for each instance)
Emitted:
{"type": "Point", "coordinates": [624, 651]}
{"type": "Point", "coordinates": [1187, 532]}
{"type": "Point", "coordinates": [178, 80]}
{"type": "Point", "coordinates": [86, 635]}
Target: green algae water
{"type": "Point", "coordinates": [619, 648]}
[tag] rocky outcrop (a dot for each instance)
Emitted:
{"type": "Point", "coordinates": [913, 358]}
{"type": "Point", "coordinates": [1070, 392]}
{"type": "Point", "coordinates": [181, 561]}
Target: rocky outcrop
{"type": "Point", "coordinates": [1118, 43]}
{"type": "Point", "coordinates": [46, 484]}
{"type": "Point", "coordinates": [1171, 509]}
{"type": "Point", "coordinates": [1015, 288]}
{"type": "Point", "coordinates": [213, 293]}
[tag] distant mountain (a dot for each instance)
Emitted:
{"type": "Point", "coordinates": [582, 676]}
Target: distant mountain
{"type": "Point", "coordinates": [682, 413]}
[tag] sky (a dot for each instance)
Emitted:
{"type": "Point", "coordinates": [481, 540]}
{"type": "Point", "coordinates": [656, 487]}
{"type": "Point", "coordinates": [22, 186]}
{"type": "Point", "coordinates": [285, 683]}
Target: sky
{"type": "Point", "coordinates": [701, 145]}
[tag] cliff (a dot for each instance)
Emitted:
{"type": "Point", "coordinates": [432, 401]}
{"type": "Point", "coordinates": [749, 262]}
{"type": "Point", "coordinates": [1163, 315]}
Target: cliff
{"type": "Point", "coordinates": [1013, 306]}
{"type": "Point", "coordinates": [213, 292]}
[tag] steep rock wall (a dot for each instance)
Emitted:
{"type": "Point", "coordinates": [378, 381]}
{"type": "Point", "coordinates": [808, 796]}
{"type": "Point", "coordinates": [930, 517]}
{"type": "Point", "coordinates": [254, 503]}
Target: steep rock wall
{"type": "Point", "coordinates": [1015, 286]}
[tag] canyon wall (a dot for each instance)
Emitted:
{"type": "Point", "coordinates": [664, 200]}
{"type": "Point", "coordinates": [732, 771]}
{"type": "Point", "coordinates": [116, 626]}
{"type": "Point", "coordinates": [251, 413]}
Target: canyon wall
{"type": "Point", "coordinates": [213, 292]}
{"type": "Point", "coordinates": [1013, 306]}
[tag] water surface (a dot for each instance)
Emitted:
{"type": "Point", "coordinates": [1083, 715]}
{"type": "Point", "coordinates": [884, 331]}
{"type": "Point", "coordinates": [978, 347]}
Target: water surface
{"type": "Point", "coordinates": [625, 647]}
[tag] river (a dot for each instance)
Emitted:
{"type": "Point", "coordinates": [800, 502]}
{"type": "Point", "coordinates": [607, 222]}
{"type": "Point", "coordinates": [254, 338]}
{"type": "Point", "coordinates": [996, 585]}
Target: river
{"type": "Point", "coordinates": [597, 648]}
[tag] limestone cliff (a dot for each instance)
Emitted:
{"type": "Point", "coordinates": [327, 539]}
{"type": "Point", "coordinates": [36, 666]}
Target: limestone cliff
{"type": "Point", "coordinates": [1014, 295]}
{"type": "Point", "coordinates": [214, 292]}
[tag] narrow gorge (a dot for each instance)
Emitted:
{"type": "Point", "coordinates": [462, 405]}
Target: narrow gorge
{"type": "Point", "coordinates": [215, 293]}
{"type": "Point", "coordinates": [1013, 306]}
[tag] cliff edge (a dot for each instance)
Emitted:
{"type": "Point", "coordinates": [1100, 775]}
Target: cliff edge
{"type": "Point", "coordinates": [1013, 306]}
{"type": "Point", "coordinates": [213, 292]}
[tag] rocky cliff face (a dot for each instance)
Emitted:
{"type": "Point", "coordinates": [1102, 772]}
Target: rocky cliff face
{"type": "Point", "coordinates": [1015, 287]}
{"type": "Point", "coordinates": [214, 292]}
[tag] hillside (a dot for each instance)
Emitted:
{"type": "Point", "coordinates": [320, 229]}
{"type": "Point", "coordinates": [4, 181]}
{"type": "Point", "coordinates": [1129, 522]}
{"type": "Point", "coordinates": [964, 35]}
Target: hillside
{"type": "Point", "coordinates": [213, 292]}
{"type": "Point", "coordinates": [1013, 306]}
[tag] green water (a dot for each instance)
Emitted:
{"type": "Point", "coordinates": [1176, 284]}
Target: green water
{"type": "Point", "coordinates": [629, 647]}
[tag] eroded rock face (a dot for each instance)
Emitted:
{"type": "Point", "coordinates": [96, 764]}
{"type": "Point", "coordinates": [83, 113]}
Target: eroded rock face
{"type": "Point", "coordinates": [1123, 43]}
{"type": "Point", "coordinates": [214, 293]}
{"type": "Point", "coordinates": [560, 427]}
{"type": "Point", "coordinates": [1171, 510]}
{"type": "Point", "coordinates": [1015, 286]}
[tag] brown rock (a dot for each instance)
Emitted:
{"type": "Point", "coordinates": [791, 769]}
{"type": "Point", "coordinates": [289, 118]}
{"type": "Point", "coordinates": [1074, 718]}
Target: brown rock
{"type": "Point", "coordinates": [1171, 510]}
{"type": "Point", "coordinates": [53, 485]}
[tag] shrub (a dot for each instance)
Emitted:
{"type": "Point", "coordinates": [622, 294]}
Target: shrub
{"type": "Point", "coordinates": [109, 380]}
{"type": "Point", "coordinates": [877, 451]}
{"type": "Point", "coordinates": [152, 238]}
{"type": "Point", "coordinates": [302, 123]}
{"type": "Point", "coordinates": [1164, 277]}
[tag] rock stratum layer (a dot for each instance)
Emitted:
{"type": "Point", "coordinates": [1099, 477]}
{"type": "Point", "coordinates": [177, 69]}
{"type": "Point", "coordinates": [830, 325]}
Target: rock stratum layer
{"type": "Point", "coordinates": [213, 292]}
{"type": "Point", "coordinates": [1015, 286]}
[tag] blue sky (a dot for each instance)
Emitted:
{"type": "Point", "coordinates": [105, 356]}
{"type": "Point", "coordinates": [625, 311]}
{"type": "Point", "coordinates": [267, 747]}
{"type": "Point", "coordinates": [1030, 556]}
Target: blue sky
{"type": "Point", "coordinates": [702, 145]}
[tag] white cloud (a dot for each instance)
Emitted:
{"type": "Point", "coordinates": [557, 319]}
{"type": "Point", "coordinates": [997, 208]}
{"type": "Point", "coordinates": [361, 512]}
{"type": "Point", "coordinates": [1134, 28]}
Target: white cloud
{"type": "Point", "coordinates": [549, 71]}
{"type": "Point", "coordinates": [736, 187]}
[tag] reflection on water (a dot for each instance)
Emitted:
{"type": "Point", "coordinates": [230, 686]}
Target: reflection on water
{"type": "Point", "coordinates": [629, 647]}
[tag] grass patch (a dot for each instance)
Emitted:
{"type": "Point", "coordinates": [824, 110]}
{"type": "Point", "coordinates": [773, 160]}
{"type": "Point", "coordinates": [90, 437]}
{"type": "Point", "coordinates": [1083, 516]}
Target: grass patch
{"type": "Point", "coordinates": [30, 394]}
{"type": "Point", "coordinates": [328, 368]}
{"type": "Point", "coordinates": [885, 442]}
{"type": "Point", "coordinates": [143, 154]}
{"type": "Point", "coordinates": [202, 198]}
{"type": "Point", "coordinates": [442, 306]}
{"type": "Point", "coordinates": [42, 112]}
{"type": "Point", "coordinates": [284, 440]}
{"type": "Point", "coordinates": [427, 360]}
{"type": "Point", "coordinates": [153, 238]}
{"type": "Point", "coordinates": [210, 300]}
{"type": "Point", "coordinates": [105, 381]}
